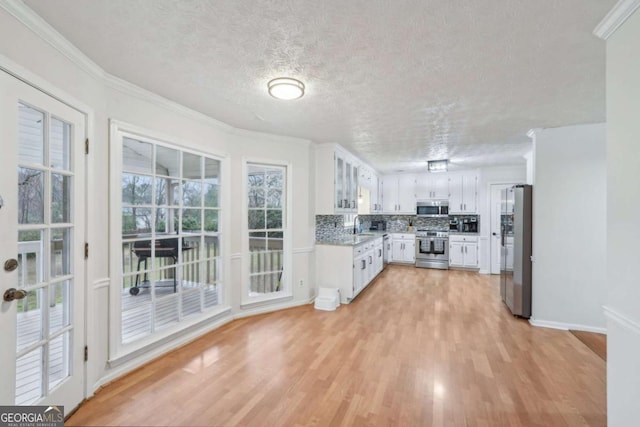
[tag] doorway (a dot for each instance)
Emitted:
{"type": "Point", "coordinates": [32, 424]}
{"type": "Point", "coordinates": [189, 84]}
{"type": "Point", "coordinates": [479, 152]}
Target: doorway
{"type": "Point", "coordinates": [495, 204]}
{"type": "Point", "coordinates": [42, 315]}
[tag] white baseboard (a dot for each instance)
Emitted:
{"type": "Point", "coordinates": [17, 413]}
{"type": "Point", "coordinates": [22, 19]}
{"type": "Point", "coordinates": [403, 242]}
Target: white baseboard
{"type": "Point", "coordinates": [622, 320]}
{"type": "Point", "coordinates": [271, 308]}
{"type": "Point", "coordinates": [566, 326]}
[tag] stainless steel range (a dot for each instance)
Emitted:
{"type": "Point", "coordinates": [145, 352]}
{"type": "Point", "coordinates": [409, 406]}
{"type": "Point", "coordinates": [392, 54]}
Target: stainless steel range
{"type": "Point", "coordinates": [432, 249]}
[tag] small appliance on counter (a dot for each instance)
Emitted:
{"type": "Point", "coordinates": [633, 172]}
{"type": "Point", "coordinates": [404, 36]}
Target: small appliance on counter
{"type": "Point", "coordinates": [470, 225]}
{"type": "Point", "coordinates": [464, 224]}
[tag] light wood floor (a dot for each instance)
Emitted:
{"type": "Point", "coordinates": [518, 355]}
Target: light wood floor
{"type": "Point", "coordinates": [418, 347]}
{"type": "Point", "coordinates": [596, 342]}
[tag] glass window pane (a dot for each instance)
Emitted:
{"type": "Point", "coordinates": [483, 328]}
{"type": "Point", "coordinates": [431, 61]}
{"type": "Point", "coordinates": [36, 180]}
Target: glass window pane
{"type": "Point", "coordinates": [211, 171]}
{"type": "Point", "coordinates": [137, 156]}
{"type": "Point", "coordinates": [134, 255]}
{"type": "Point", "coordinates": [190, 276]}
{"type": "Point", "coordinates": [166, 221]}
{"type": "Point", "coordinates": [167, 161]}
{"type": "Point", "coordinates": [30, 196]}
{"type": "Point", "coordinates": [60, 198]}
{"type": "Point", "coordinates": [167, 192]}
{"type": "Point", "coordinates": [191, 166]}
{"type": "Point", "coordinates": [136, 316]}
{"type": "Point", "coordinates": [211, 246]}
{"type": "Point", "coordinates": [274, 218]}
{"type": "Point", "coordinates": [190, 303]}
{"type": "Point", "coordinates": [165, 280]}
{"type": "Point", "coordinates": [30, 319]}
{"type": "Point", "coordinates": [30, 135]}
{"type": "Point", "coordinates": [166, 313]}
{"type": "Point", "coordinates": [60, 144]}
{"type": "Point", "coordinates": [265, 283]}
{"type": "Point", "coordinates": [29, 377]}
{"type": "Point", "coordinates": [191, 220]}
{"type": "Point", "coordinates": [191, 193]}
{"type": "Point", "coordinates": [255, 177]}
{"type": "Point", "coordinates": [257, 241]}
{"type": "Point", "coordinates": [212, 295]}
{"type": "Point", "coordinates": [210, 221]}
{"type": "Point", "coordinates": [30, 258]}
{"type": "Point", "coordinates": [256, 219]}
{"type": "Point", "coordinates": [59, 305]}
{"type": "Point", "coordinates": [60, 252]}
{"type": "Point", "coordinates": [212, 271]}
{"type": "Point", "coordinates": [274, 198]}
{"type": "Point", "coordinates": [256, 197]}
{"type": "Point", "coordinates": [136, 189]}
{"type": "Point", "coordinates": [191, 249]}
{"type": "Point", "coordinates": [211, 196]}
{"type": "Point", "coordinates": [59, 359]}
{"type": "Point", "coordinates": [136, 221]}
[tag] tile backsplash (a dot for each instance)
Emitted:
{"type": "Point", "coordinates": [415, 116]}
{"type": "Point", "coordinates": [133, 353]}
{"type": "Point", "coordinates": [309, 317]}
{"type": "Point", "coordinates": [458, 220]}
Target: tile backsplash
{"type": "Point", "coordinates": [333, 226]}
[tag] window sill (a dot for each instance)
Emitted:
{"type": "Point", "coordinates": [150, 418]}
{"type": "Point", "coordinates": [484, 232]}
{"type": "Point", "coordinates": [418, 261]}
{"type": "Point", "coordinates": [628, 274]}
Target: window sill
{"type": "Point", "coordinates": [266, 300]}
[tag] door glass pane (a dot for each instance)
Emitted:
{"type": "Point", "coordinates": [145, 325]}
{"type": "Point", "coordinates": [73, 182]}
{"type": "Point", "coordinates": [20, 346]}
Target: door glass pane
{"type": "Point", "coordinates": [137, 156]}
{"type": "Point", "coordinates": [59, 144]}
{"type": "Point", "coordinates": [60, 198]}
{"type": "Point", "coordinates": [30, 258]}
{"type": "Point", "coordinates": [59, 306]}
{"type": "Point", "coordinates": [30, 319]}
{"type": "Point", "coordinates": [29, 377]}
{"type": "Point", "coordinates": [60, 252]}
{"type": "Point", "coordinates": [59, 359]}
{"type": "Point", "coordinates": [30, 135]}
{"type": "Point", "coordinates": [210, 220]}
{"type": "Point", "coordinates": [136, 221]}
{"type": "Point", "coordinates": [30, 196]}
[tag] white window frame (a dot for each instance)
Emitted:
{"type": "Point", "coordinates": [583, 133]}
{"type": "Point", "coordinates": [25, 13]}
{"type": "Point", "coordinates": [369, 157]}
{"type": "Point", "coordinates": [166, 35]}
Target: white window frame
{"type": "Point", "coordinates": [247, 301]}
{"type": "Point", "coordinates": [120, 352]}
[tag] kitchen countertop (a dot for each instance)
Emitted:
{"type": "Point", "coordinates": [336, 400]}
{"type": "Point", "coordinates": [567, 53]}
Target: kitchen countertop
{"type": "Point", "coordinates": [352, 239]}
{"type": "Point", "coordinates": [462, 233]}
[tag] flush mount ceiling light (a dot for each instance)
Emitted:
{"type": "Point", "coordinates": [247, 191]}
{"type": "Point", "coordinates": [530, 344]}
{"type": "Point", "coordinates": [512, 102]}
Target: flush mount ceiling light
{"type": "Point", "coordinates": [437, 165]}
{"type": "Point", "coordinates": [286, 88]}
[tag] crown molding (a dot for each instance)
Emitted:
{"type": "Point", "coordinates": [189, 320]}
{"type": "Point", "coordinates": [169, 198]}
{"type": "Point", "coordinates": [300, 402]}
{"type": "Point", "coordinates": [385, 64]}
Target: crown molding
{"type": "Point", "coordinates": [615, 18]}
{"type": "Point", "coordinates": [34, 22]}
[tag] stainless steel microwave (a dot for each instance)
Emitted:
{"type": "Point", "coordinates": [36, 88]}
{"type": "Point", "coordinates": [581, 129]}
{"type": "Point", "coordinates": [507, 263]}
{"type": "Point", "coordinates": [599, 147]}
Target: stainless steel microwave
{"type": "Point", "coordinates": [432, 208]}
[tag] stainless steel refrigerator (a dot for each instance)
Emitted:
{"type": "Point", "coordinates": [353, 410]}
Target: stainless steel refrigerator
{"type": "Point", "coordinates": [515, 249]}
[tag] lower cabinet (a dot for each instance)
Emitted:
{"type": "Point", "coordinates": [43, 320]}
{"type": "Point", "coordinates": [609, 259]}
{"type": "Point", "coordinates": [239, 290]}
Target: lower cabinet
{"type": "Point", "coordinates": [463, 251]}
{"type": "Point", "coordinates": [348, 268]}
{"type": "Point", "coordinates": [404, 248]}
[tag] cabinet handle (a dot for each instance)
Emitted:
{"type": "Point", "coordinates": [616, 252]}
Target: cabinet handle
{"type": "Point", "coordinates": [364, 265]}
{"type": "Point", "coordinates": [465, 206]}
{"type": "Point", "coordinates": [379, 252]}
{"type": "Point", "coordinates": [465, 250]}
{"type": "Point", "coordinates": [370, 259]}
{"type": "Point", "coordinates": [460, 206]}
{"type": "Point", "coordinates": [353, 204]}
{"type": "Point", "coordinates": [461, 249]}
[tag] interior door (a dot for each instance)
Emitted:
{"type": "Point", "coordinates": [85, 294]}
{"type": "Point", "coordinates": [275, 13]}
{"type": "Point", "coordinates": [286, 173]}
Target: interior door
{"type": "Point", "coordinates": [42, 217]}
{"type": "Point", "coordinates": [496, 202]}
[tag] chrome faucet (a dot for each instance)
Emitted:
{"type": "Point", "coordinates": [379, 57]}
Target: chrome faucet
{"type": "Point", "coordinates": [355, 224]}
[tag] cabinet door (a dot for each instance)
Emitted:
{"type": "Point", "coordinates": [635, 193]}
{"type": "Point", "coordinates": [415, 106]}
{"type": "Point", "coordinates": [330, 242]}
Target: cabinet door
{"type": "Point", "coordinates": [379, 257]}
{"type": "Point", "coordinates": [347, 185]}
{"type": "Point", "coordinates": [373, 194]}
{"type": "Point", "coordinates": [409, 251]}
{"type": "Point", "coordinates": [354, 188]}
{"type": "Point", "coordinates": [407, 194]}
{"type": "Point", "coordinates": [398, 250]}
{"type": "Point", "coordinates": [456, 254]}
{"type": "Point", "coordinates": [360, 272]}
{"type": "Point", "coordinates": [423, 187]}
{"type": "Point", "coordinates": [390, 194]}
{"type": "Point", "coordinates": [339, 183]}
{"type": "Point", "coordinates": [471, 255]}
{"type": "Point", "coordinates": [469, 193]}
{"type": "Point", "coordinates": [371, 266]}
{"type": "Point", "coordinates": [440, 186]}
{"type": "Point", "coordinates": [456, 204]}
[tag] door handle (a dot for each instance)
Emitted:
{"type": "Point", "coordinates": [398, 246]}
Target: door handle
{"type": "Point", "coordinates": [13, 294]}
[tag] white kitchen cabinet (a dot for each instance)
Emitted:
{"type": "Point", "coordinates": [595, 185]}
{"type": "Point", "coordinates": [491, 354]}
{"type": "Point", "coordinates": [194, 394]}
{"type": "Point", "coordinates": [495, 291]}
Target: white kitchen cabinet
{"type": "Point", "coordinates": [399, 195]}
{"type": "Point", "coordinates": [375, 196]}
{"type": "Point", "coordinates": [432, 186]}
{"type": "Point", "coordinates": [463, 251]}
{"type": "Point", "coordinates": [348, 268]}
{"type": "Point", "coordinates": [463, 189]}
{"type": "Point", "coordinates": [337, 175]}
{"type": "Point", "coordinates": [404, 248]}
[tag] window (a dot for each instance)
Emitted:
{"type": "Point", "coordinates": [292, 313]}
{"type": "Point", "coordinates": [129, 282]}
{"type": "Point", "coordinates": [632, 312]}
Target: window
{"type": "Point", "coordinates": [267, 227]}
{"type": "Point", "coordinates": [171, 261]}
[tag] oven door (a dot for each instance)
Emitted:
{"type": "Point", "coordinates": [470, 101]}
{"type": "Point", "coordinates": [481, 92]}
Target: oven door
{"type": "Point", "coordinates": [432, 248]}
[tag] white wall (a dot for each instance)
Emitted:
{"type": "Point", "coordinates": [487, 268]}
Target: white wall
{"type": "Point", "coordinates": [487, 176]}
{"type": "Point", "coordinates": [623, 233]}
{"type": "Point", "coordinates": [569, 227]}
{"type": "Point", "coordinates": [109, 99]}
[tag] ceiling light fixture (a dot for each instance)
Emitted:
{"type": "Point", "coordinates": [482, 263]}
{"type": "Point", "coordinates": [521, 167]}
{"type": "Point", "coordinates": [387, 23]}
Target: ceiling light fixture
{"type": "Point", "coordinates": [438, 165]}
{"type": "Point", "coordinates": [286, 88]}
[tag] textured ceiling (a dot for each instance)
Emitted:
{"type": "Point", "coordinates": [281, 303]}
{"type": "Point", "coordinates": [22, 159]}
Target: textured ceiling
{"type": "Point", "coordinates": [396, 82]}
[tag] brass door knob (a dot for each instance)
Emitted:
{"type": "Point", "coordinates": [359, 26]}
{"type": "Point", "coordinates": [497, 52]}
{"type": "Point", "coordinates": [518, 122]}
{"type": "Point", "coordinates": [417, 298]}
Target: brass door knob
{"type": "Point", "coordinates": [13, 293]}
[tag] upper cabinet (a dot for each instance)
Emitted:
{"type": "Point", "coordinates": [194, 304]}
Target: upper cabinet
{"type": "Point", "coordinates": [369, 180]}
{"type": "Point", "coordinates": [399, 194]}
{"type": "Point", "coordinates": [337, 180]}
{"type": "Point", "coordinates": [463, 190]}
{"type": "Point", "coordinates": [432, 186]}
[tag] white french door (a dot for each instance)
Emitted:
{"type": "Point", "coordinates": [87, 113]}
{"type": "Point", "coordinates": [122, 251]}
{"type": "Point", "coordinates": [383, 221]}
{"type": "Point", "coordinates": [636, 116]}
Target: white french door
{"type": "Point", "coordinates": [41, 248]}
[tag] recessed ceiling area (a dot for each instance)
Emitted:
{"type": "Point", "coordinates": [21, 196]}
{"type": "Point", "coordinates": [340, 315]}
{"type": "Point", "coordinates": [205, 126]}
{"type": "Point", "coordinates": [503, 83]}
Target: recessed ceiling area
{"type": "Point", "coordinates": [397, 83]}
